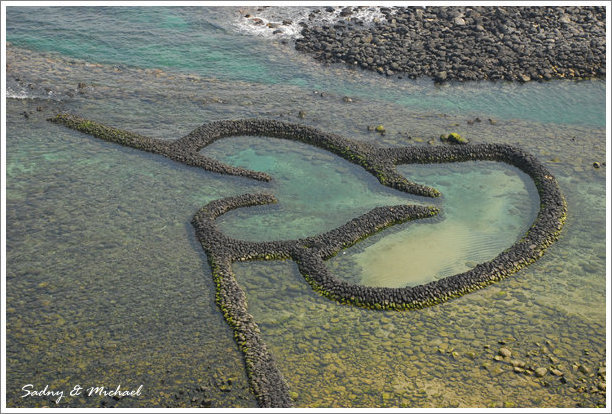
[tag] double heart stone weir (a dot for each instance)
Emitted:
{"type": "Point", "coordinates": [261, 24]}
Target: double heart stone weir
{"type": "Point", "coordinates": [310, 253]}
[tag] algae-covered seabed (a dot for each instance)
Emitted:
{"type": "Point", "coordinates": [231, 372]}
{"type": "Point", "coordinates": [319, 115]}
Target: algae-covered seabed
{"type": "Point", "coordinates": [107, 285]}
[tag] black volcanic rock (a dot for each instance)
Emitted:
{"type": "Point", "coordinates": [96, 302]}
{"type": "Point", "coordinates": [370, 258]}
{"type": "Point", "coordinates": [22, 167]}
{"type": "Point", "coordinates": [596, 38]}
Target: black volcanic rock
{"type": "Point", "coordinates": [266, 380]}
{"type": "Point", "coordinates": [470, 43]}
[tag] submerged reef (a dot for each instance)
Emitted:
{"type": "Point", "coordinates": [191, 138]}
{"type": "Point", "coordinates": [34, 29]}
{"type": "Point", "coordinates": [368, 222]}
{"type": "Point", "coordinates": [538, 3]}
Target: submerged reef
{"type": "Point", "coordinates": [310, 253]}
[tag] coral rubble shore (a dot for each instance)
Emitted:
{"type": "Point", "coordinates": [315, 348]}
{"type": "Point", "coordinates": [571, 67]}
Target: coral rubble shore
{"type": "Point", "coordinates": [310, 253]}
{"type": "Point", "coordinates": [467, 43]}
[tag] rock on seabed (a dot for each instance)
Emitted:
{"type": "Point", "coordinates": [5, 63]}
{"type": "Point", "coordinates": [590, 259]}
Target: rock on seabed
{"type": "Point", "coordinates": [468, 43]}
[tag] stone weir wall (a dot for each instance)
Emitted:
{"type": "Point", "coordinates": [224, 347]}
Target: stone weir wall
{"type": "Point", "coordinates": [310, 253]}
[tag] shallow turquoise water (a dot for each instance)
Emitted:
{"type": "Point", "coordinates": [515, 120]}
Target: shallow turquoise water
{"type": "Point", "coordinates": [316, 191]}
{"type": "Point", "coordinates": [205, 41]}
{"type": "Point", "coordinates": [106, 283]}
{"type": "Point", "coordinates": [486, 207]}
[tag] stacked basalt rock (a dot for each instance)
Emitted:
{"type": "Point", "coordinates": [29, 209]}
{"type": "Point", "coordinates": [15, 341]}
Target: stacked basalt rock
{"type": "Point", "coordinates": [382, 163]}
{"type": "Point", "coordinates": [468, 43]}
{"type": "Point", "coordinates": [266, 380]}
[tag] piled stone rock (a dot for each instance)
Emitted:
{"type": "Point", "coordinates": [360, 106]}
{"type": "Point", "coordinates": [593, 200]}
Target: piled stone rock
{"type": "Point", "coordinates": [266, 380]}
{"type": "Point", "coordinates": [469, 43]}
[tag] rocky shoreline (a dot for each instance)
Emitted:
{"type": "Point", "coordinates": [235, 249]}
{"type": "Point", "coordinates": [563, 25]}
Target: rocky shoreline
{"type": "Point", "coordinates": [266, 380]}
{"type": "Point", "coordinates": [466, 43]}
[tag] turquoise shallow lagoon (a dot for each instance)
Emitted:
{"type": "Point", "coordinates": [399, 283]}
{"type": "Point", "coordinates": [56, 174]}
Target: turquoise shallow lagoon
{"type": "Point", "coordinates": [487, 208]}
{"type": "Point", "coordinates": [211, 42]}
{"type": "Point", "coordinates": [317, 191]}
{"type": "Point", "coordinates": [107, 285]}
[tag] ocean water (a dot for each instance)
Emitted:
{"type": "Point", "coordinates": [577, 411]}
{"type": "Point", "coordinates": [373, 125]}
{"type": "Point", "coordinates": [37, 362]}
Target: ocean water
{"type": "Point", "coordinates": [107, 285]}
{"type": "Point", "coordinates": [220, 43]}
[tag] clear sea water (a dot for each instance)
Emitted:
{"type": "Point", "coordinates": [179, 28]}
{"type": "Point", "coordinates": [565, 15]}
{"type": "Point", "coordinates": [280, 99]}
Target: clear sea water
{"type": "Point", "coordinates": [107, 285]}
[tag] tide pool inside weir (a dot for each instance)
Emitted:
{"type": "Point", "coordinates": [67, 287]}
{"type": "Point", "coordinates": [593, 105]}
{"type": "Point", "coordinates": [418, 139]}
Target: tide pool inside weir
{"type": "Point", "coordinates": [486, 207]}
{"type": "Point", "coordinates": [316, 190]}
{"type": "Point", "coordinates": [266, 380]}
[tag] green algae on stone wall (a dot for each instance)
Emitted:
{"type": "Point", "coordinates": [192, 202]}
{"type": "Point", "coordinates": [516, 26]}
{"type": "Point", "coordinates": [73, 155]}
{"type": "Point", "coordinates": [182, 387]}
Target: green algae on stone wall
{"type": "Point", "coordinates": [266, 380]}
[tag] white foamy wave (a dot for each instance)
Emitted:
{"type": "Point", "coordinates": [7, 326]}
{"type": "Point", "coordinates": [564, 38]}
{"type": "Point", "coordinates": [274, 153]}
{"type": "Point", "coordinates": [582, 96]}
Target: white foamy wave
{"type": "Point", "coordinates": [286, 21]}
{"type": "Point", "coordinates": [12, 94]}
{"type": "Point", "coordinates": [22, 92]}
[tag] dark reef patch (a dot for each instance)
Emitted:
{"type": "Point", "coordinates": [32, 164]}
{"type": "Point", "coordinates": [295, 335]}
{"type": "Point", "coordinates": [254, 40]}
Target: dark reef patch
{"type": "Point", "coordinates": [310, 253]}
{"type": "Point", "coordinates": [468, 43]}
